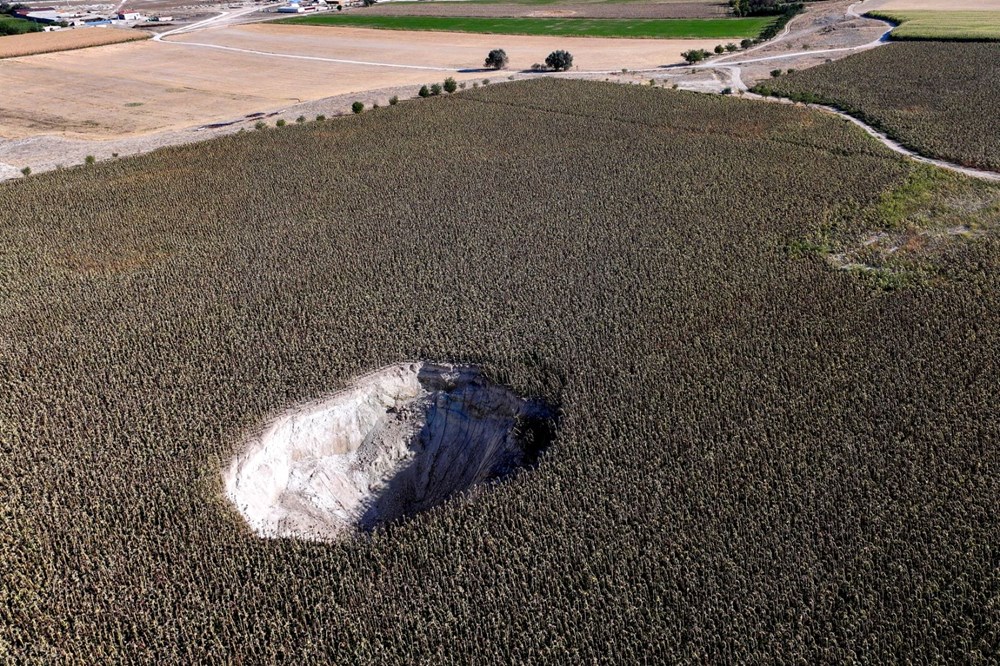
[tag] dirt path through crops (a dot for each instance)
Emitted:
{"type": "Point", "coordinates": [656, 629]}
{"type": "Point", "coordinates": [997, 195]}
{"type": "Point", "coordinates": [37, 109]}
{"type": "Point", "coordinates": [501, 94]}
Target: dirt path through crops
{"type": "Point", "coordinates": [221, 75]}
{"type": "Point", "coordinates": [853, 12]}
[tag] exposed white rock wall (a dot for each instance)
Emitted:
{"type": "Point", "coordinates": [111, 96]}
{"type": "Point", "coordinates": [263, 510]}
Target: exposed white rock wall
{"type": "Point", "coordinates": [395, 442]}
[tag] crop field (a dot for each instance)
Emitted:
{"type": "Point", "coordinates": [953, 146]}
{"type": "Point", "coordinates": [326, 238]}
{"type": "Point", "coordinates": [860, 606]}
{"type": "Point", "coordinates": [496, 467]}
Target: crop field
{"type": "Point", "coordinates": [728, 28]}
{"type": "Point", "coordinates": [932, 5]}
{"type": "Point", "coordinates": [970, 26]}
{"type": "Point", "coordinates": [933, 98]}
{"type": "Point", "coordinates": [35, 43]}
{"type": "Point", "coordinates": [760, 457]}
{"type": "Point", "coordinates": [623, 9]}
{"type": "Point", "coordinates": [171, 86]}
{"type": "Point", "coordinates": [10, 25]}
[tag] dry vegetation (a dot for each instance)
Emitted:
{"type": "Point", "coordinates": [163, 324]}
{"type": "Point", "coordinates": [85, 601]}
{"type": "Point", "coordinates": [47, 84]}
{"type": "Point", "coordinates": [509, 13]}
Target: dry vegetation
{"type": "Point", "coordinates": [171, 86]}
{"type": "Point", "coordinates": [760, 458]}
{"type": "Point", "coordinates": [937, 99]}
{"type": "Point", "coordinates": [65, 40]}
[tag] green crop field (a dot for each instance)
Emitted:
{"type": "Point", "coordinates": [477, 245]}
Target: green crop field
{"type": "Point", "coordinates": [761, 457]}
{"type": "Point", "coordinates": [962, 26]}
{"type": "Point", "coordinates": [937, 99]}
{"type": "Point", "coordinates": [10, 25]}
{"type": "Point", "coordinates": [727, 28]}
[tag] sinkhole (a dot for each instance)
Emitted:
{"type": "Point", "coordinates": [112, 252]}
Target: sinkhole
{"type": "Point", "coordinates": [395, 442]}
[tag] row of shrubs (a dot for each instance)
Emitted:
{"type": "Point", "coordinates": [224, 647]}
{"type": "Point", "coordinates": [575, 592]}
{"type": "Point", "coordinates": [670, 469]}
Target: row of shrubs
{"type": "Point", "coordinates": [697, 55]}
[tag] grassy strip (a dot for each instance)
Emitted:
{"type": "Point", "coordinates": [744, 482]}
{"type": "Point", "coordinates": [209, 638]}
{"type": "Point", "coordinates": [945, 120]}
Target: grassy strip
{"type": "Point", "coordinates": [967, 26]}
{"type": "Point", "coordinates": [729, 28]}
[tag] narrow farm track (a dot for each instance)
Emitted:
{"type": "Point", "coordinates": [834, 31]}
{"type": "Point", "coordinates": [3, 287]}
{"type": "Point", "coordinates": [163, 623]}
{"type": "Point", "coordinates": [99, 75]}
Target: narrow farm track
{"type": "Point", "coordinates": [295, 56]}
{"type": "Point", "coordinates": [225, 18]}
{"type": "Point", "coordinates": [727, 71]}
{"type": "Point", "coordinates": [886, 141]}
{"type": "Point", "coordinates": [734, 69]}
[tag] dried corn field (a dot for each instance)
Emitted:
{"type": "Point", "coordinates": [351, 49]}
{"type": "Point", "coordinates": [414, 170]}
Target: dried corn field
{"type": "Point", "coordinates": [935, 98]}
{"type": "Point", "coordinates": [760, 458]}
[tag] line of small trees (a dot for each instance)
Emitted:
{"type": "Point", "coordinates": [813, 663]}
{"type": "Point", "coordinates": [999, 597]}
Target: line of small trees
{"type": "Point", "coordinates": [697, 55]}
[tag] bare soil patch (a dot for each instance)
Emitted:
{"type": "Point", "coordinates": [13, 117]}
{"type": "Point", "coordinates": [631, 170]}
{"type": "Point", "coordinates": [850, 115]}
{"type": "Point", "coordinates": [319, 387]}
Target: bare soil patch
{"type": "Point", "coordinates": [65, 106]}
{"type": "Point", "coordinates": [171, 85]}
{"type": "Point", "coordinates": [459, 51]}
{"type": "Point", "coordinates": [65, 40]}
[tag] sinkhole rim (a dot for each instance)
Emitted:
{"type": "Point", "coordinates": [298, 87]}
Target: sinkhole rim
{"type": "Point", "coordinates": [392, 443]}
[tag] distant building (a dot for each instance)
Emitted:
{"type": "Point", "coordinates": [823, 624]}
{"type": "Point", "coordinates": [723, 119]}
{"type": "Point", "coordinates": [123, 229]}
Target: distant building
{"type": "Point", "coordinates": [129, 16]}
{"type": "Point", "coordinates": [45, 16]}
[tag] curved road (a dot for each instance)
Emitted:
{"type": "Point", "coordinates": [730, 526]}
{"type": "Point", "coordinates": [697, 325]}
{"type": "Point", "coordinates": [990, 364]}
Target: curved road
{"type": "Point", "coordinates": [733, 68]}
{"type": "Point", "coordinates": [735, 71]}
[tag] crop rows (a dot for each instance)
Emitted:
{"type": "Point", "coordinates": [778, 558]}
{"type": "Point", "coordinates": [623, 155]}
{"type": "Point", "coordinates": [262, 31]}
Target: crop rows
{"type": "Point", "coordinates": [760, 458]}
{"type": "Point", "coordinates": [935, 98]}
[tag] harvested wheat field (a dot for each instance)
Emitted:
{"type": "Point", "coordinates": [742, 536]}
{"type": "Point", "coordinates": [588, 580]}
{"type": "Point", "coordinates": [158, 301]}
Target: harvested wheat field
{"type": "Point", "coordinates": [225, 74]}
{"type": "Point", "coordinates": [35, 43]}
{"type": "Point", "coordinates": [451, 50]}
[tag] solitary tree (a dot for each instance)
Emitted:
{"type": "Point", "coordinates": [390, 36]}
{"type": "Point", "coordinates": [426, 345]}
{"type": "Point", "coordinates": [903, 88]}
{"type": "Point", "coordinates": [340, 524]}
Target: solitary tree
{"type": "Point", "coordinates": [357, 107]}
{"type": "Point", "coordinates": [694, 55]}
{"type": "Point", "coordinates": [559, 60]}
{"type": "Point", "coordinates": [497, 59]}
{"type": "Point", "coordinates": [450, 85]}
{"type": "Point", "coordinates": [424, 91]}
